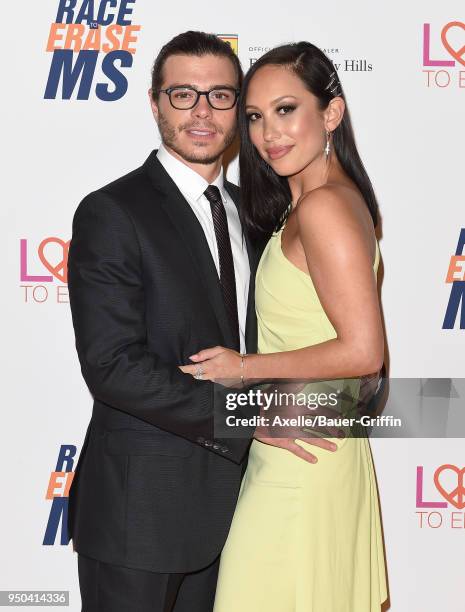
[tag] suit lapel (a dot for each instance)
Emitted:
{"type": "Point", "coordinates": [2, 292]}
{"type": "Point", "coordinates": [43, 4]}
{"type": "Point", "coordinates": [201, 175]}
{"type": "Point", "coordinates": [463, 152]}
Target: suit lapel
{"type": "Point", "coordinates": [193, 238]}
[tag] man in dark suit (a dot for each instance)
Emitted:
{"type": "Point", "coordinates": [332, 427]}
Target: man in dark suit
{"type": "Point", "coordinates": [159, 269]}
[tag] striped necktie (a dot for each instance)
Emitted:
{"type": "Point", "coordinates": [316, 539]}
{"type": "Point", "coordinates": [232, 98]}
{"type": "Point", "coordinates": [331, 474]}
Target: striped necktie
{"type": "Point", "coordinates": [227, 277]}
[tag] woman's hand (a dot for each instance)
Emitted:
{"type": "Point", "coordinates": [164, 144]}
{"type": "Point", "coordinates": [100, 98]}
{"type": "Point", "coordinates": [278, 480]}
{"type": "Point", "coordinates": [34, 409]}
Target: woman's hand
{"type": "Point", "coordinates": [218, 364]}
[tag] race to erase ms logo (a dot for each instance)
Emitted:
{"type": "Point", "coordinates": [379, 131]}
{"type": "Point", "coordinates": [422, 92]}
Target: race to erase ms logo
{"type": "Point", "coordinates": [90, 38]}
{"type": "Point", "coordinates": [50, 258]}
{"type": "Point", "coordinates": [58, 492]}
{"type": "Point", "coordinates": [438, 494]}
{"type": "Point", "coordinates": [456, 277]}
{"type": "Point", "coordinates": [444, 54]}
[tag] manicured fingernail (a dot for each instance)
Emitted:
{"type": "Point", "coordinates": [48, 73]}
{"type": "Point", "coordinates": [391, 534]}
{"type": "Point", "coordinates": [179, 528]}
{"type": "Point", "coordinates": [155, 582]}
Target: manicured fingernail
{"type": "Point", "coordinates": [193, 357]}
{"type": "Point", "coordinates": [333, 447]}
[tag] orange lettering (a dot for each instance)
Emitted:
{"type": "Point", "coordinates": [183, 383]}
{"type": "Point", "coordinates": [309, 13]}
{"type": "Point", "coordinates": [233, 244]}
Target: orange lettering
{"type": "Point", "coordinates": [112, 33]}
{"type": "Point", "coordinates": [92, 41]}
{"type": "Point", "coordinates": [74, 36]}
{"type": "Point", "coordinates": [455, 268]}
{"type": "Point", "coordinates": [59, 484]}
{"type": "Point", "coordinates": [55, 485]}
{"type": "Point", "coordinates": [130, 38]}
{"type": "Point", "coordinates": [69, 480]}
{"type": "Point", "coordinates": [55, 36]}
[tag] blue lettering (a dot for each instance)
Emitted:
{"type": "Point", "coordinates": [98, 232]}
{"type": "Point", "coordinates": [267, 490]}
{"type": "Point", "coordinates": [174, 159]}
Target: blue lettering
{"type": "Point", "coordinates": [457, 294]}
{"type": "Point", "coordinates": [59, 511]}
{"type": "Point", "coordinates": [66, 456]}
{"type": "Point", "coordinates": [102, 18]}
{"type": "Point", "coordinates": [125, 11]}
{"type": "Point", "coordinates": [111, 71]}
{"type": "Point", "coordinates": [66, 6]}
{"type": "Point", "coordinates": [62, 63]}
{"type": "Point", "coordinates": [86, 12]}
{"type": "Point", "coordinates": [461, 242]}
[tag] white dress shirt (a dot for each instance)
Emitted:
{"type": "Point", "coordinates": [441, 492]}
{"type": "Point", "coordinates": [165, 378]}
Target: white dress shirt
{"type": "Point", "coordinates": [192, 187]}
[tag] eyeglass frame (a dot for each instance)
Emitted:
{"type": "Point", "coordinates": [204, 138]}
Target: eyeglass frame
{"type": "Point", "coordinates": [168, 91]}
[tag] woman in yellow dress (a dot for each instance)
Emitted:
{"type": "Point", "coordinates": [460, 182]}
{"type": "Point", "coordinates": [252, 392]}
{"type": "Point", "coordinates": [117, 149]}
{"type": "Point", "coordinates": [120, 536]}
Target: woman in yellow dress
{"type": "Point", "coordinates": [306, 535]}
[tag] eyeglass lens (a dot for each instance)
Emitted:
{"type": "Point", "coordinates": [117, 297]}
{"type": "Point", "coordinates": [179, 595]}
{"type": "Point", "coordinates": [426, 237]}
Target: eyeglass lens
{"type": "Point", "coordinates": [184, 98]}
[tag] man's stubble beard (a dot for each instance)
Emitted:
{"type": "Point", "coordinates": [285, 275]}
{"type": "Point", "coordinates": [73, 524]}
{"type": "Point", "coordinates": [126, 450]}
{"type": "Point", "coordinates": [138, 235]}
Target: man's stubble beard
{"type": "Point", "coordinates": [169, 138]}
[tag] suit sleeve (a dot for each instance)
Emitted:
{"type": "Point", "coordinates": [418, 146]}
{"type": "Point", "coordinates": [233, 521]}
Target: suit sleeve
{"type": "Point", "coordinates": [108, 310]}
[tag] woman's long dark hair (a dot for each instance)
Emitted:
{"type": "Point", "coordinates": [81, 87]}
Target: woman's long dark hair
{"type": "Point", "coordinates": [265, 195]}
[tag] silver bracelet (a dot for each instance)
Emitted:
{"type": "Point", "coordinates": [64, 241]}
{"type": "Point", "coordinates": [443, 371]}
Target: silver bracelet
{"type": "Point", "coordinates": [243, 356]}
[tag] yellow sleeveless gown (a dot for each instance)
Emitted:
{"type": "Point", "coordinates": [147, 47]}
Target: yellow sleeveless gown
{"type": "Point", "coordinates": [304, 537]}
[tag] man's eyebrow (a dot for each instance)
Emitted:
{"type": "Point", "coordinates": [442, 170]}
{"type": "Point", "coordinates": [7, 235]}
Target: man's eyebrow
{"type": "Point", "coordinates": [181, 85]}
{"type": "Point", "coordinates": [224, 86]}
{"type": "Point", "coordinates": [215, 86]}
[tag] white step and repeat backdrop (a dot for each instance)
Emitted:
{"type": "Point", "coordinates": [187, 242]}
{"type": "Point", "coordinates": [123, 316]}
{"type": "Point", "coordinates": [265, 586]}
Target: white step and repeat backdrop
{"type": "Point", "coordinates": [403, 69]}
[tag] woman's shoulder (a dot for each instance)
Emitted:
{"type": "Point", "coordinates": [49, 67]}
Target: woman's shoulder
{"type": "Point", "coordinates": [335, 217]}
{"type": "Point", "coordinates": [329, 203]}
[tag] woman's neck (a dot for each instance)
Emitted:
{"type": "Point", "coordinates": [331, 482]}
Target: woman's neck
{"type": "Point", "coordinates": [316, 174]}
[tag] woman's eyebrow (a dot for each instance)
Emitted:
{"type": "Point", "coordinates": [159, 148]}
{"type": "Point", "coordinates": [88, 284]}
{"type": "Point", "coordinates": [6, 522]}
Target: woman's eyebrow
{"type": "Point", "coordinates": [273, 101]}
{"type": "Point", "coordinates": [282, 98]}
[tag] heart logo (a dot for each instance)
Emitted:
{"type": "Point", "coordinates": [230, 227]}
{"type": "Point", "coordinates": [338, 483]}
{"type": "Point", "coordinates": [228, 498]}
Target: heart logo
{"type": "Point", "coordinates": [457, 54]}
{"type": "Point", "coordinates": [60, 269]}
{"type": "Point", "coordinates": [457, 496]}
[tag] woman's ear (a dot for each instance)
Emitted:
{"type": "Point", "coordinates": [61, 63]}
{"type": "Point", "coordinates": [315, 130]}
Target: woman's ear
{"type": "Point", "coordinates": [334, 113]}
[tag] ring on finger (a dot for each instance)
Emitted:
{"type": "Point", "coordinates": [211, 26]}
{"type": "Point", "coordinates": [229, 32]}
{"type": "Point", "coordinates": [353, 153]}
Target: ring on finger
{"type": "Point", "coordinates": [199, 372]}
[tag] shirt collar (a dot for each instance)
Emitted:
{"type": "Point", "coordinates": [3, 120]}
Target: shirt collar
{"type": "Point", "coordinates": [188, 181]}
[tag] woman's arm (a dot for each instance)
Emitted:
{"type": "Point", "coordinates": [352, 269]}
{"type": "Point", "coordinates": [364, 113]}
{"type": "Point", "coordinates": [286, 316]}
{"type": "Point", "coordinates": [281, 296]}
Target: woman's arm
{"type": "Point", "coordinates": [338, 243]}
{"type": "Point", "coordinates": [338, 246]}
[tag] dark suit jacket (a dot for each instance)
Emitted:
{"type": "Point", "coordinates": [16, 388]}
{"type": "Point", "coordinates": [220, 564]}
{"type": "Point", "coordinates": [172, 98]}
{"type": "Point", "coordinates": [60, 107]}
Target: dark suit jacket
{"type": "Point", "coordinates": [154, 489]}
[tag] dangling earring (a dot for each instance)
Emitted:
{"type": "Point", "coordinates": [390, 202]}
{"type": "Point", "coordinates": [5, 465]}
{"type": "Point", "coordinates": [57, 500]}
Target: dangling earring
{"type": "Point", "coordinates": [327, 149]}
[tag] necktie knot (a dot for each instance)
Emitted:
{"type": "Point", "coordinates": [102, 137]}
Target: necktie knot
{"type": "Point", "coordinates": [213, 195]}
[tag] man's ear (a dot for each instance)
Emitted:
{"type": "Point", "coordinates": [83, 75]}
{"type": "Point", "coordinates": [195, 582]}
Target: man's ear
{"type": "Point", "coordinates": [334, 113]}
{"type": "Point", "coordinates": [153, 105]}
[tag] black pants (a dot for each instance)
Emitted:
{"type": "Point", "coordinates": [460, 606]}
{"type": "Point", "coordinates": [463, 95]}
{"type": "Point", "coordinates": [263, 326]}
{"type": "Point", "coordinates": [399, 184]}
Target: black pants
{"type": "Point", "coordinates": [110, 588]}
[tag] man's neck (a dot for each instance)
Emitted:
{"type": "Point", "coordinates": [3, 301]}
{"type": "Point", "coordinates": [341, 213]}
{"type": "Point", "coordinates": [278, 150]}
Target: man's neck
{"type": "Point", "coordinates": [207, 171]}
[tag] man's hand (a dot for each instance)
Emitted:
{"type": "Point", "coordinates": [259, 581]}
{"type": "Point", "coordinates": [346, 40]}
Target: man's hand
{"type": "Point", "coordinates": [290, 434]}
{"type": "Point", "coordinates": [292, 446]}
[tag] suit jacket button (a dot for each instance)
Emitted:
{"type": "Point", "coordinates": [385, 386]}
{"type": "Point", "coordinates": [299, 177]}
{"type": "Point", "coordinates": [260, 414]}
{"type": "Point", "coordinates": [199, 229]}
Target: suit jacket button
{"type": "Point", "coordinates": [208, 442]}
{"type": "Point", "coordinates": [224, 449]}
{"type": "Point", "coordinates": [216, 446]}
{"type": "Point", "coordinates": [200, 440]}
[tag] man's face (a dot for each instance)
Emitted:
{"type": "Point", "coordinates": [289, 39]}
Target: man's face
{"type": "Point", "coordinates": [201, 134]}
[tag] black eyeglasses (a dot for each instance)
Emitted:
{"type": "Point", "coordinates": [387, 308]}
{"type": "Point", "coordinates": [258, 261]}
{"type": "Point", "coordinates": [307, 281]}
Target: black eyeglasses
{"type": "Point", "coordinates": [184, 98]}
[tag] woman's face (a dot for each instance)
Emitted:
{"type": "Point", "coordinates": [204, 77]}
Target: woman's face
{"type": "Point", "coordinates": [285, 124]}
